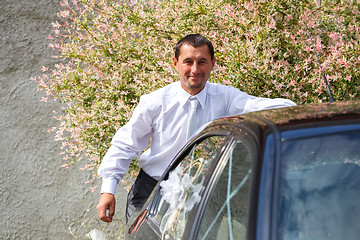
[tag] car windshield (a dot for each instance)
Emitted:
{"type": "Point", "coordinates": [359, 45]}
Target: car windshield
{"type": "Point", "coordinates": [320, 187]}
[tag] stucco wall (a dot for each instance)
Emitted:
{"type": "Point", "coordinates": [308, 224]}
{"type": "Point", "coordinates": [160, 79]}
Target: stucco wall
{"type": "Point", "coordinates": [39, 199]}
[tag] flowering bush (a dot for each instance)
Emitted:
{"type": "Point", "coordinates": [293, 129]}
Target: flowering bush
{"type": "Point", "coordinates": [112, 52]}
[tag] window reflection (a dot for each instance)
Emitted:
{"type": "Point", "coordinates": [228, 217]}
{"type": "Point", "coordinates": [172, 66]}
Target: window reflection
{"type": "Point", "coordinates": [226, 211]}
{"type": "Point", "coordinates": [320, 188]}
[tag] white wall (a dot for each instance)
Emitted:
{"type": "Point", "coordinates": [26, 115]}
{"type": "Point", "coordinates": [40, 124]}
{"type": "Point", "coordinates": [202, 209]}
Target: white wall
{"type": "Point", "coordinates": [39, 199]}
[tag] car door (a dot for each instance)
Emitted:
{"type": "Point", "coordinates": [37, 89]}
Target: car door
{"type": "Point", "coordinates": [184, 188]}
{"type": "Point", "coordinates": [193, 167]}
{"type": "Point", "coordinates": [205, 189]}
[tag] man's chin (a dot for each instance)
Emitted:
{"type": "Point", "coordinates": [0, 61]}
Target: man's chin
{"type": "Point", "coordinates": [196, 82]}
{"type": "Point", "coordinates": [196, 86]}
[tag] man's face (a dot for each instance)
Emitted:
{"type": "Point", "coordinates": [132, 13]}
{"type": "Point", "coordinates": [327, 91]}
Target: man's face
{"type": "Point", "coordinates": [194, 66]}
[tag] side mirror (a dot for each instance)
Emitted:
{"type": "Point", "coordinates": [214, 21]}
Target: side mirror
{"type": "Point", "coordinates": [138, 222]}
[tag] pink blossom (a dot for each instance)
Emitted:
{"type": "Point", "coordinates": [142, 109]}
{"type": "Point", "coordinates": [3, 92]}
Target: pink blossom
{"type": "Point", "coordinates": [64, 13]}
{"type": "Point", "coordinates": [335, 36]}
{"type": "Point", "coordinates": [56, 24]}
{"type": "Point", "coordinates": [57, 32]}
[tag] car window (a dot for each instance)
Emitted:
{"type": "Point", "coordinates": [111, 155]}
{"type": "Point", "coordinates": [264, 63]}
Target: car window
{"type": "Point", "coordinates": [226, 212]}
{"type": "Point", "coordinates": [320, 187]}
{"type": "Point", "coordinates": [183, 189]}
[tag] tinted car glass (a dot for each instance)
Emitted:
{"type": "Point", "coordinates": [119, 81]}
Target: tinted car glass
{"type": "Point", "coordinates": [183, 189]}
{"type": "Point", "coordinates": [225, 215]}
{"type": "Point", "coordinates": [320, 187]}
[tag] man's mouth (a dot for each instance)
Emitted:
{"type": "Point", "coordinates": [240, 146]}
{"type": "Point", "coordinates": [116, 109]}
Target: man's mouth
{"type": "Point", "coordinates": [196, 76]}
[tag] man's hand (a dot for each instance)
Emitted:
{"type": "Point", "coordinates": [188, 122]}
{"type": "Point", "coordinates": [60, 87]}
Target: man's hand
{"type": "Point", "coordinates": [106, 207]}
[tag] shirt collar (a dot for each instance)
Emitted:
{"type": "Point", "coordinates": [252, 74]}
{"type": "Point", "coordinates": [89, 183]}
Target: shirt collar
{"type": "Point", "coordinates": [201, 96]}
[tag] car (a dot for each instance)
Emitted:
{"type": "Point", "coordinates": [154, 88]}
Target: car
{"type": "Point", "coordinates": [288, 173]}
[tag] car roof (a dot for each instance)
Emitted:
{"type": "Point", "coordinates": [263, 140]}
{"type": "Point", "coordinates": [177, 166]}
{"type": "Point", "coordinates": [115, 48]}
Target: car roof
{"type": "Point", "coordinates": [300, 116]}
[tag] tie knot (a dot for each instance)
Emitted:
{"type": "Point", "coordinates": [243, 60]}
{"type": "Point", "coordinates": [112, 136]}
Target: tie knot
{"type": "Point", "coordinates": [194, 102]}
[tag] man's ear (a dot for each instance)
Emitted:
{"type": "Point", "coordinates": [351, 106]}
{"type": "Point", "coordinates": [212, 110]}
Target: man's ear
{"type": "Point", "coordinates": [175, 62]}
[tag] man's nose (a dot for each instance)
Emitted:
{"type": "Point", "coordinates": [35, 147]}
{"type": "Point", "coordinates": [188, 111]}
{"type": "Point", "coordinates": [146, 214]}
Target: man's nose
{"type": "Point", "coordinates": [195, 68]}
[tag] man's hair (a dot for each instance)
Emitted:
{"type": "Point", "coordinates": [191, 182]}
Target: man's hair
{"type": "Point", "coordinates": [195, 40]}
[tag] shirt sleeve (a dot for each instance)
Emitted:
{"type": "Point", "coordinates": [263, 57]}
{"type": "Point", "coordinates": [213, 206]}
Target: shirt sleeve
{"type": "Point", "coordinates": [241, 102]}
{"type": "Point", "coordinates": [128, 142]}
{"type": "Point", "coordinates": [258, 104]}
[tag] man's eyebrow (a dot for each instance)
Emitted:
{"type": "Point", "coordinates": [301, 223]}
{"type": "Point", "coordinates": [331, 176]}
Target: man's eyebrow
{"type": "Point", "coordinates": [186, 59]}
{"type": "Point", "coordinates": [191, 59]}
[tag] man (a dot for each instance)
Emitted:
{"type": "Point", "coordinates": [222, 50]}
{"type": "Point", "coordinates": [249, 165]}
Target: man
{"type": "Point", "coordinates": [163, 116]}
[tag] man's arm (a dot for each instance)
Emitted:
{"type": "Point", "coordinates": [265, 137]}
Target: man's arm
{"type": "Point", "coordinates": [241, 102]}
{"type": "Point", "coordinates": [106, 207]}
{"type": "Point", "coordinates": [258, 104]}
{"type": "Point", "coordinates": [127, 143]}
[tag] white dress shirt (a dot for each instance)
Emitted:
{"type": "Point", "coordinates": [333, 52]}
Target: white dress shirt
{"type": "Point", "coordinates": [162, 117]}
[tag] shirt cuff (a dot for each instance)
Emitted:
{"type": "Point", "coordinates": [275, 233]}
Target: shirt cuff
{"type": "Point", "coordinates": [109, 185]}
